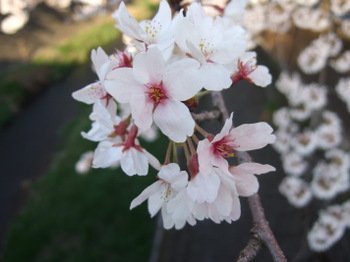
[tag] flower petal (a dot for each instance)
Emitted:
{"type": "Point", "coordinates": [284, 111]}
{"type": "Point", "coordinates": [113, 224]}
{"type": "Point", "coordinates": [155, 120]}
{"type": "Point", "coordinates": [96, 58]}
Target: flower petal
{"type": "Point", "coordinates": [146, 193]}
{"type": "Point", "coordinates": [174, 119]}
{"type": "Point", "coordinates": [252, 136]}
{"type": "Point", "coordinates": [134, 162]}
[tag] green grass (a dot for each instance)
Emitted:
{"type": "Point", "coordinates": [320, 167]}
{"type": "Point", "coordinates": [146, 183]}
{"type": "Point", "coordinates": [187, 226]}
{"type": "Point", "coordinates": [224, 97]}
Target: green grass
{"type": "Point", "coordinates": [71, 217]}
{"type": "Point", "coordinates": [50, 65]}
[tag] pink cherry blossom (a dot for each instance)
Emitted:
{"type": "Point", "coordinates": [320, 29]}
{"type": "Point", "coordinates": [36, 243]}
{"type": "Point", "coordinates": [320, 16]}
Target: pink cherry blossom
{"type": "Point", "coordinates": [155, 90]}
{"type": "Point", "coordinates": [132, 157]}
{"type": "Point", "coordinates": [248, 69]}
{"type": "Point", "coordinates": [215, 150]}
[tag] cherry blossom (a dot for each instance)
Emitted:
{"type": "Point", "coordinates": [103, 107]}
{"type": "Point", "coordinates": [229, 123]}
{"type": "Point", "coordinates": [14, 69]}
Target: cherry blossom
{"type": "Point", "coordinates": [248, 69]}
{"type": "Point", "coordinates": [154, 91]}
{"type": "Point", "coordinates": [171, 181]}
{"type": "Point", "coordinates": [133, 158]}
{"type": "Point", "coordinates": [147, 33]}
{"type": "Point", "coordinates": [213, 42]}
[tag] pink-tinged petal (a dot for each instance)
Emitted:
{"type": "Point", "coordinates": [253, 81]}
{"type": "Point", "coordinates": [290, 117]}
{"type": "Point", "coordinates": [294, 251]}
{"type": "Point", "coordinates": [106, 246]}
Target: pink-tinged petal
{"type": "Point", "coordinates": [251, 168]}
{"type": "Point", "coordinates": [204, 187]}
{"type": "Point", "coordinates": [225, 129]}
{"type": "Point", "coordinates": [247, 185]}
{"type": "Point", "coordinates": [223, 202]}
{"type": "Point", "coordinates": [244, 174]}
{"type": "Point", "coordinates": [148, 67]}
{"type": "Point", "coordinates": [236, 208]}
{"type": "Point", "coordinates": [145, 194]}
{"type": "Point", "coordinates": [174, 119]}
{"type": "Point", "coordinates": [121, 84]}
{"type": "Point", "coordinates": [205, 154]}
{"type": "Point", "coordinates": [215, 77]}
{"type": "Point", "coordinates": [181, 79]}
{"type": "Point", "coordinates": [89, 94]}
{"type": "Point", "coordinates": [106, 155]}
{"type": "Point", "coordinates": [261, 76]}
{"type": "Point", "coordinates": [134, 162]}
{"type": "Point", "coordinates": [141, 110]}
{"type": "Point", "coordinates": [252, 136]}
{"type": "Point", "coordinates": [127, 24]}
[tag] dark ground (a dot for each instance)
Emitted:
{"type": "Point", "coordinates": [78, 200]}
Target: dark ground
{"type": "Point", "coordinates": [27, 145]}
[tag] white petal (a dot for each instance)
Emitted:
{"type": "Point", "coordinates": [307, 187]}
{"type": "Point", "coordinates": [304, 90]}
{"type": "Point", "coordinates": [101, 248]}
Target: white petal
{"type": "Point", "coordinates": [204, 187]}
{"type": "Point", "coordinates": [181, 79]}
{"type": "Point", "coordinates": [121, 84]}
{"type": "Point", "coordinates": [174, 119]}
{"type": "Point", "coordinates": [148, 67]}
{"type": "Point", "coordinates": [171, 173]}
{"type": "Point", "coordinates": [152, 160]}
{"type": "Point", "coordinates": [141, 110]}
{"type": "Point", "coordinates": [146, 193]}
{"type": "Point", "coordinates": [215, 77]}
{"type": "Point", "coordinates": [156, 200]}
{"type": "Point", "coordinates": [127, 24]}
{"type": "Point", "coordinates": [163, 15]}
{"type": "Point", "coordinates": [101, 62]}
{"type": "Point", "coordinates": [89, 94]}
{"type": "Point", "coordinates": [134, 162]}
{"type": "Point", "coordinates": [106, 154]}
{"type": "Point", "coordinates": [261, 76]}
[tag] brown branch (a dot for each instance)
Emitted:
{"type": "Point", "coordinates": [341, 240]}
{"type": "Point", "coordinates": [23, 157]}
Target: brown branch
{"type": "Point", "coordinates": [261, 230]}
{"type": "Point", "coordinates": [251, 250]}
{"type": "Point", "coordinates": [207, 115]}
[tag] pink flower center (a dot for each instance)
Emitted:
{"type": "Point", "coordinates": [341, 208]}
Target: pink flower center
{"type": "Point", "coordinates": [244, 70]}
{"type": "Point", "coordinates": [224, 147]}
{"type": "Point", "coordinates": [156, 93]}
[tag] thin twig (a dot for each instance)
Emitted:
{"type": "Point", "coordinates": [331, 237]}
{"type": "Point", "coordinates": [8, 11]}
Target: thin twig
{"type": "Point", "coordinates": [206, 115]}
{"type": "Point", "coordinates": [251, 250]}
{"type": "Point", "coordinates": [261, 230]}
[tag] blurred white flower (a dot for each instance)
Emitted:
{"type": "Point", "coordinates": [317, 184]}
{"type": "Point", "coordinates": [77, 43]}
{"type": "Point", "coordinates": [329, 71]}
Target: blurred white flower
{"type": "Point", "coordinates": [342, 63]}
{"type": "Point", "coordinates": [328, 181]}
{"type": "Point", "coordinates": [296, 191]}
{"type": "Point", "coordinates": [84, 163]}
{"type": "Point", "coordinates": [327, 230]}
{"type": "Point", "coordinates": [294, 164]}
{"type": "Point", "coordinates": [340, 7]}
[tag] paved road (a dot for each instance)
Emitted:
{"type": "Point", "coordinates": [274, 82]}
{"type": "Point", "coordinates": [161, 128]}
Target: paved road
{"type": "Point", "coordinates": [28, 143]}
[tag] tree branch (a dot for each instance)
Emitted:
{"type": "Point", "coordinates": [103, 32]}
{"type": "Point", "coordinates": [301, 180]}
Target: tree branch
{"type": "Point", "coordinates": [251, 250]}
{"type": "Point", "coordinates": [207, 115]}
{"type": "Point", "coordinates": [261, 231]}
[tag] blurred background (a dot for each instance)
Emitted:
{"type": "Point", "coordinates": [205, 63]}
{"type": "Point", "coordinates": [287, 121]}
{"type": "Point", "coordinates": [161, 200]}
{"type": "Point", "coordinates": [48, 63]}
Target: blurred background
{"type": "Point", "coordinates": [53, 207]}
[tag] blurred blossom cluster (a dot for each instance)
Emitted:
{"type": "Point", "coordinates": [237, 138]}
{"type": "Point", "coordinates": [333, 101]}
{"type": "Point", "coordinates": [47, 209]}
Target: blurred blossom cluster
{"type": "Point", "coordinates": [310, 42]}
{"type": "Point", "coordinates": [156, 83]}
{"type": "Point", "coordinates": [17, 12]}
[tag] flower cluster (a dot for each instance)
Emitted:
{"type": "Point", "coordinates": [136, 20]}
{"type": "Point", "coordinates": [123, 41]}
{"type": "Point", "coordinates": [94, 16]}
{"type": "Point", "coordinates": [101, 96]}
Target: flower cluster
{"type": "Point", "coordinates": [169, 63]}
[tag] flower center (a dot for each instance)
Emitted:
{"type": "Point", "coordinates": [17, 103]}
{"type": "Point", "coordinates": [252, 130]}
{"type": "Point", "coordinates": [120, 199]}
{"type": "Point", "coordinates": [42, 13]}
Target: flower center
{"type": "Point", "coordinates": [156, 93]}
{"type": "Point", "coordinates": [152, 28]}
{"type": "Point", "coordinates": [205, 47]}
{"type": "Point", "coordinates": [224, 147]}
